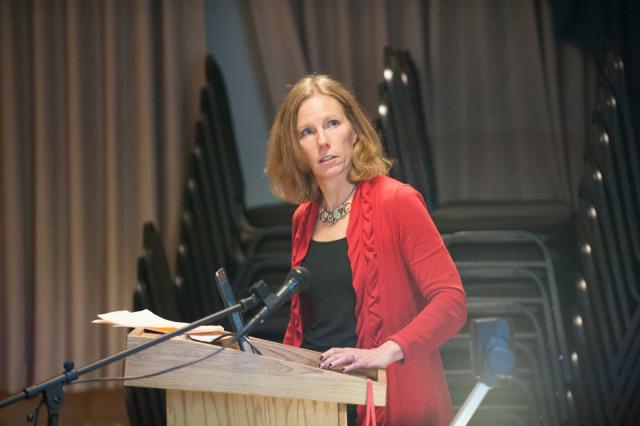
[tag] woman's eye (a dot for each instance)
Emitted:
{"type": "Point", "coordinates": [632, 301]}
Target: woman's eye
{"type": "Point", "coordinates": [333, 123]}
{"type": "Point", "coordinates": [306, 132]}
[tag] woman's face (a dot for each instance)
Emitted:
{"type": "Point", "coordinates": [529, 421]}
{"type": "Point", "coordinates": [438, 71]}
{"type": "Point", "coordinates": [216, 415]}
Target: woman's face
{"type": "Point", "coordinates": [326, 137]}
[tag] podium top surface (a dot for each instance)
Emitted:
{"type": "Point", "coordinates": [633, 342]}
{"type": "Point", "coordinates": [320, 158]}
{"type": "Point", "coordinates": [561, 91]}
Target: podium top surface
{"type": "Point", "coordinates": [281, 371]}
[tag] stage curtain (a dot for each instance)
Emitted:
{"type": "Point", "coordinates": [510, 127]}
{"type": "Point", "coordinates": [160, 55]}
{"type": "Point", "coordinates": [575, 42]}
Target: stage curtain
{"type": "Point", "coordinates": [506, 106]}
{"type": "Point", "coordinates": [98, 101]}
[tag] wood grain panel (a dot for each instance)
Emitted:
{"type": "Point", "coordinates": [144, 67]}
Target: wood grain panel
{"type": "Point", "coordinates": [283, 371]}
{"type": "Point", "coordinates": [213, 409]}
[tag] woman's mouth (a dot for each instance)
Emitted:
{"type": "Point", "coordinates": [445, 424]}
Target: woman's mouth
{"type": "Point", "coordinates": [326, 158]}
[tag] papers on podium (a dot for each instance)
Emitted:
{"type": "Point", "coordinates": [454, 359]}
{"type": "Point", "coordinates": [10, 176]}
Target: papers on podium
{"type": "Point", "coordinates": [150, 321]}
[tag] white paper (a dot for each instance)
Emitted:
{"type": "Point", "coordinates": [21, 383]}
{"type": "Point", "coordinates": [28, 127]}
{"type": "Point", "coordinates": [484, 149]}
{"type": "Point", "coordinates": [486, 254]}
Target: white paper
{"type": "Point", "coordinates": [150, 321]}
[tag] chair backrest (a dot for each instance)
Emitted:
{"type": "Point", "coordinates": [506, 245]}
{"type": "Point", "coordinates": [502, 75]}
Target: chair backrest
{"type": "Point", "coordinates": [388, 133]}
{"type": "Point", "coordinates": [227, 209]}
{"type": "Point", "coordinates": [607, 316]}
{"type": "Point", "coordinates": [215, 106]}
{"type": "Point", "coordinates": [405, 120]}
{"type": "Point", "coordinates": [153, 271]}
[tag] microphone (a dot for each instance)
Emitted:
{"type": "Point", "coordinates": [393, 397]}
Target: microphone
{"type": "Point", "coordinates": [299, 279]}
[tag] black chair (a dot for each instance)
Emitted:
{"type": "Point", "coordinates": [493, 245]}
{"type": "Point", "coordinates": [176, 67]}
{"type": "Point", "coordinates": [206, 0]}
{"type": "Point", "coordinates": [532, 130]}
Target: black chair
{"type": "Point", "coordinates": [623, 401]}
{"type": "Point", "coordinates": [589, 389]}
{"type": "Point", "coordinates": [156, 292]}
{"type": "Point", "coordinates": [222, 224]}
{"type": "Point", "coordinates": [508, 251]}
{"type": "Point", "coordinates": [203, 272]}
{"type": "Point", "coordinates": [412, 143]}
{"type": "Point", "coordinates": [601, 271]}
{"type": "Point", "coordinates": [153, 270]}
{"type": "Point", "coordinates": [607, 315]}
{"type": "Point", "coordinates": [188, 272]}
{"type": "Point", "coordinates": [516, 268]}
{"type": "Point", "coordinates": [406, 136]}
{"type": "Point", "coordinates": [385, 125]}
{"type": "Point", "coordinates": [522, 286]}
{"type": "Point", "coordinates": [614, 108]}
{"type": "Point", "coordinates": [241, 241]}
{"type": "Point", "coordinates": [612, 196]}
{"type": "Point", "coordinates": [217, 108]}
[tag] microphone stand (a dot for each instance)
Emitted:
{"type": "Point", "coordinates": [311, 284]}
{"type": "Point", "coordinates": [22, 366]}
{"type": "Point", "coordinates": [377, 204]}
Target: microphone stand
{"type": "Point", "coordinates": [492, 356]}
{"type": "Point", "coordinates": [51, 389]}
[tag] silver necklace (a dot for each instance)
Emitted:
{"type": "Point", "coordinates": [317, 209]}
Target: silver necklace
{"type": "Point", "coordinates": [332, 217]}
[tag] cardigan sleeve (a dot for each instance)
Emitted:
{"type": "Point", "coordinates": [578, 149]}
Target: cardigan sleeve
{"type": "Point", "coordinates": [293, 333]}
{"type": "Point", "coordinates": [430, 266]}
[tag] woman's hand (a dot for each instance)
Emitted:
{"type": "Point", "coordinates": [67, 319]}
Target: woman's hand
{"type": "Point", "coordinates": [354, 359]}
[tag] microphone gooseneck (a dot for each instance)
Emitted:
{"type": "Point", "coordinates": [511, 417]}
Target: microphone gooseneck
{"type": "Point", "coordinates": [297, 280]}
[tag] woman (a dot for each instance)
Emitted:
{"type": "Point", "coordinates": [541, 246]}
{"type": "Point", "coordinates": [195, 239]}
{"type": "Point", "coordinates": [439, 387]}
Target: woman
{"type": "Point", "coordinates": [385, 292]}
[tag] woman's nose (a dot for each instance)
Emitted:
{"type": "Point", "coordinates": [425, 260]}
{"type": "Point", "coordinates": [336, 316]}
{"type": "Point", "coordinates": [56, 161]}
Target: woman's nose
{"type": "Point", "coordinates": [321, 139]}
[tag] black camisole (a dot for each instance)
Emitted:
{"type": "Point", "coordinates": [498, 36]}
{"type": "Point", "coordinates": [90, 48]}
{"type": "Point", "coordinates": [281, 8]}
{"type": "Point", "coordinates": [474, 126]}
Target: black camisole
{"type": "Point", "coordinates": [330, 297]}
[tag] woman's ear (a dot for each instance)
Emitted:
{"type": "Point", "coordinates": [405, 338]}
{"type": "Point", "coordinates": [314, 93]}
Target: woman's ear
{"type": "Point", "coordinates": [354, 139]}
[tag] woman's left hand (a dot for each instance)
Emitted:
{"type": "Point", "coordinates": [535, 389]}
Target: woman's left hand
{"type": "Point", "coordinates": [354, 359]}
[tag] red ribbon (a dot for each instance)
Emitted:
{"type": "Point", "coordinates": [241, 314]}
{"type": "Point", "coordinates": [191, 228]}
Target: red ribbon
{"type": "Point", "coordinates": [370, 417]}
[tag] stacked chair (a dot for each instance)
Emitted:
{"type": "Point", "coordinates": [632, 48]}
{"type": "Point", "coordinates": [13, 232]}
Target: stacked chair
{"type": "Point", "coordinates": [511, 275]}
{"type": "Point", "coordinates": [156, 292]}
{"type": "Point", "coordinates": [404, 133]}
{"type": "Point", "coordinates": [217, 230]}
{"type": "Point", "coordinates": [508, 254]}
{"type": "Point", "coordinates": [253, 243]}
{"type": "Point", "coordinates": [577, 365]}
{"type": "Point", "coordinates": [606, 322]}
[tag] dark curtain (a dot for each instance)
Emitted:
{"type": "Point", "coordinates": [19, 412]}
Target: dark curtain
{"type": "Point", "coordinates": [506, 107]}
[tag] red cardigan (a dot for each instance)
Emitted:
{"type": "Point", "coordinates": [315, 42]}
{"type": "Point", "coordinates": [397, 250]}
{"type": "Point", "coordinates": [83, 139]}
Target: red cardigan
{"type": "Point", "coordinates": [407, 290]}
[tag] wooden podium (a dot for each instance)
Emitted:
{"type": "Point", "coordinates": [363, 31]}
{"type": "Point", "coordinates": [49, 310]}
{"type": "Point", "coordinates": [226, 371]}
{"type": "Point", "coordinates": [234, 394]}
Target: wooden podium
{"type": "Point", "coordinates": [280, 387]}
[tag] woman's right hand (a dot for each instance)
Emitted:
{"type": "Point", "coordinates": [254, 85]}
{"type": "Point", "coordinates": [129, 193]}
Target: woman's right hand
{"type": "Point", "coordinates": [354, 358]}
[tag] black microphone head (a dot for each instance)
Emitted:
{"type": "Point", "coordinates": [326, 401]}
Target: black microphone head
{"type": "Point", "coordinates": [302, 276]}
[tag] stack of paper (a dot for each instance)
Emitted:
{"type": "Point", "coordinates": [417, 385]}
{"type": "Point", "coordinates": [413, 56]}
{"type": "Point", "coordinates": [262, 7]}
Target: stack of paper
{"type": "Point", "coordinates": [150, 321]}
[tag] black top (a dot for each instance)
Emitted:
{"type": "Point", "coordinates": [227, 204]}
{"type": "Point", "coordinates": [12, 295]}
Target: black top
{"type": "Point", "coordinates": [330, 298]}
